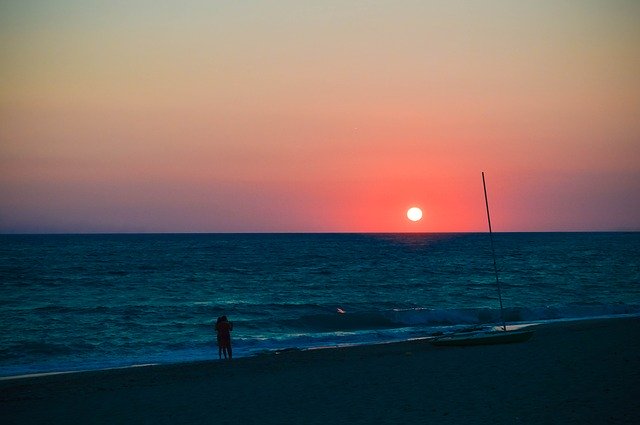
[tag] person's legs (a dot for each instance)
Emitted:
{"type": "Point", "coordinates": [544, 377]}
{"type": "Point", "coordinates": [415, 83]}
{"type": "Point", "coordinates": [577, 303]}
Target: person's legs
{"type": "Point", "coordinates": [226, 349]}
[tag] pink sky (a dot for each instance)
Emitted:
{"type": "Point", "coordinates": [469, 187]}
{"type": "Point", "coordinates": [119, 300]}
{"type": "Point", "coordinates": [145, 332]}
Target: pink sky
{"type": "Point", "coordinates": [288, 116]}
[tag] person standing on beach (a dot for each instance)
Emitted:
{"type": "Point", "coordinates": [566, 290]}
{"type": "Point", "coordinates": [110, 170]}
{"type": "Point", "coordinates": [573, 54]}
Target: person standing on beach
{"type": "Point", "coordinates": [224, 328]}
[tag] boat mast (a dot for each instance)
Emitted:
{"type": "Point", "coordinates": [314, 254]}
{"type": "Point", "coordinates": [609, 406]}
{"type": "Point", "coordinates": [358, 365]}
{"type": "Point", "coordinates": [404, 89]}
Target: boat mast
{"type": "Point", "coordinates": [493, 253]}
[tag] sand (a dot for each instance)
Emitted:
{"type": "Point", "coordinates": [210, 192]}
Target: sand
{"type": "Point", "coordinates": [569, 373]}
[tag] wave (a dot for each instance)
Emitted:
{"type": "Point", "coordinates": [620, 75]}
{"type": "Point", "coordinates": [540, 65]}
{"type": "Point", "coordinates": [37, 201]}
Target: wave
{"type": "Point", "coordinates": [424, 317]}
{"type": "Point", "coordinates": [343, 322]}
{"type": "Point", "coordinates": [309, 318]}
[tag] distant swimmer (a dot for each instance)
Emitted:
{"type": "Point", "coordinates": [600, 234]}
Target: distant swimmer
{"type": "Point", "coordinates": [224, 328]}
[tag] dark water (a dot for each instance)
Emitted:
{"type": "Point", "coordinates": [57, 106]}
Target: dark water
{"type": "Point", "coordinates": [72, 302]}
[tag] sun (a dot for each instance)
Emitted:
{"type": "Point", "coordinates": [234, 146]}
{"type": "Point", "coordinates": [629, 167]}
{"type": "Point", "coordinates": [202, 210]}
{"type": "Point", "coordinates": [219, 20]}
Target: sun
{"type": "Point", "coordinates": [414, 214]}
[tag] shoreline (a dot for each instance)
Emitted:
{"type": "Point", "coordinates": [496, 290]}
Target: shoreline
{"type": "Point", "coordinates": [269, 352]}
{"type": "Point", "coordinates": [570, 372]}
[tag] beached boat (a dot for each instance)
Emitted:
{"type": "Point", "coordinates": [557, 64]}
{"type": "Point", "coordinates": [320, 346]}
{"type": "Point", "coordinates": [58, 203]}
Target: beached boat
{"type": "Point", "coordinates": [502, 336]}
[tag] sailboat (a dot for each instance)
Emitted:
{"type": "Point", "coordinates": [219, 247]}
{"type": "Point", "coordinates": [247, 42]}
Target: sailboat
{"type": "Point", "coordinates": [499, 336]}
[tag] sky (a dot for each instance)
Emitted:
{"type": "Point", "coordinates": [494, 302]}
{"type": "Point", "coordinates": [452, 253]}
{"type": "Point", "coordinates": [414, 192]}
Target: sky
{"type": "Point", "coordinates": [328, 116]}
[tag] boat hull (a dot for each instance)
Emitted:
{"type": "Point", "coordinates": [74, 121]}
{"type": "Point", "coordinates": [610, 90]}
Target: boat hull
{"type": "Point", "coordinates": [483, 338]}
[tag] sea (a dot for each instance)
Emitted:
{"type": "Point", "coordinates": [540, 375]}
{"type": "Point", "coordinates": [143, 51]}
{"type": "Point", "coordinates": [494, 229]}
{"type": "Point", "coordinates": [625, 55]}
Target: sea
{"type": "Point", "coordinates": [85, 302]}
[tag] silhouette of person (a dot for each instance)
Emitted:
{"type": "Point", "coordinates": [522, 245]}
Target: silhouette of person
{"type": "Point", "coordinates": [224, 328]}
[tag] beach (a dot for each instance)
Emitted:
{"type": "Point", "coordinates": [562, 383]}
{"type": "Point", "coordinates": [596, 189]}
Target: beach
{"type": "Point", "coordinates": [569, 372]}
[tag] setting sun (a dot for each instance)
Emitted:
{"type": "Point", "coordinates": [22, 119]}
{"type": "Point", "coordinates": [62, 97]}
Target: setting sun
{"type": "Point", "coordinates": [414, 214]}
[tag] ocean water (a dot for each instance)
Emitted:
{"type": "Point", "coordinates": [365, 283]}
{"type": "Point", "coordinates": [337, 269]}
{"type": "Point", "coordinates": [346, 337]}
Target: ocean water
{"type": "Point", "coordinates": [76, 302]}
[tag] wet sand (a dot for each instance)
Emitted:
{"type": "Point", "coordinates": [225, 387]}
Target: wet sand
{"type": "Point", "coordinates": [568, 373]}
